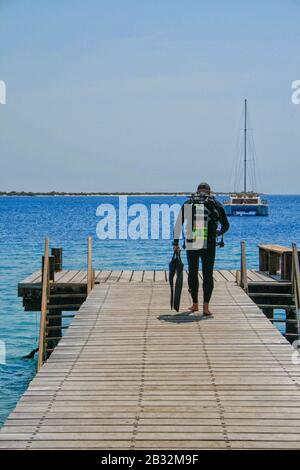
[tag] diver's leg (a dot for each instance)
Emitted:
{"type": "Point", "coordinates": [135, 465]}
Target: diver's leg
{"type": "Point", "coordinates": [208, 261]}
{"type": "Point", "coordinates": [193, 278]}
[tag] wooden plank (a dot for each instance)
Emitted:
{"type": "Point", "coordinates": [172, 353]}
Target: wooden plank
{"type": "Point", "coordinates": [114, 276]}
{"type": "Point", "coordinates": [218, 276]}
{"type": "Point", "coordinates": [256, 276]}
{"type": "Point", "coordinates": [264, 276]}
{"type": "Point", "coordinates": [227, 275]}
{"type": "Point", "coordinates": [275, 248]}
{"type": "Point", "coordinates": [160, 276]}
{"type": "Point", "coordinates": [58, 277]}
{"type": "Point", "coordinates": [126, 276]}
{"type": "Point", "coordinates": [251, 276]}
{"type": "Point", "coordinates": [148, 276]}
{"type": "Point", "coordinates": [79, 277]}
{"type": "Point", "coordinates": [67, 276]}
{"type": "Point", "coordinates": [137, 276]}
{"type": "Point", "coordinates": [33, 278]}
{"type": "Point", "coordinates": [103, 276]}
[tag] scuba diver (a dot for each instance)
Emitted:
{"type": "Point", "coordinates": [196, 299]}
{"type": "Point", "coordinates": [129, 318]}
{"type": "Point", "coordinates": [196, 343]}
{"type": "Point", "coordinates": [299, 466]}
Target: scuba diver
{"type": "Point", "coordinates": [201, 214]}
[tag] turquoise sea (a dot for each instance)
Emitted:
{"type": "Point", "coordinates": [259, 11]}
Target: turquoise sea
{"type": "Point", "coordinates": [67, 221]}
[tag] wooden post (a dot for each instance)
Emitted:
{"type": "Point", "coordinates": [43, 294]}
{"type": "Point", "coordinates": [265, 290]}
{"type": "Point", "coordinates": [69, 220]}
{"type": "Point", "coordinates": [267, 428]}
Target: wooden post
{"type": "Point", "coordinates": [263, 260]}
{"type": "Point", "coordinates": [57, 253]}
{"type": "Point", "coordinates": [89, 267]}
{"type": "Point", "coordinates": [54, 330]}
{"type": "Point", "coordinates": [296, 283]}
{"type": "Point", "coordinates": [286, 267]}
{"type": "Point", "coordinates": [238, 277]}
{"type": "Point", "coordinates": [54, 316]}
{"type": "Point", "coordinates": [291, 323]}
{"type": "Point", "coordinates": [51, 267]}
{"type": "Point", "coordinates": [45, 287]}
{"type": "Point", "coordinates": [274, 263]}
{"type": "Point", "coordinates": [269, 312]}
{"type": "Point", "coordinates": [244, 280]}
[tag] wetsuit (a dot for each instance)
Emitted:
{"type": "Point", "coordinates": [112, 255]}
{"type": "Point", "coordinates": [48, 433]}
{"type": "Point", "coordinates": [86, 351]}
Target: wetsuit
{"type": "Point", "coordinates": [207, 254]}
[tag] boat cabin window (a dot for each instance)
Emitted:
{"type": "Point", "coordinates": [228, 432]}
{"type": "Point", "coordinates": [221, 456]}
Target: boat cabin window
{"type": "Point", "coordinates": [237, 201]}
{"type": "Point", "coordinates": [250, 201]}
{"type": "Point", "coordinates": [244, 201]}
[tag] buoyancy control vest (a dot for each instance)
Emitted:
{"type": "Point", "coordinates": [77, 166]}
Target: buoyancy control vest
{"type": "Point", "coordinates": [200, 210]}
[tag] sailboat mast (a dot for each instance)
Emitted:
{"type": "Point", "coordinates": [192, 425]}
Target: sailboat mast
{"type": "Point", "coordinates": [245, 149]}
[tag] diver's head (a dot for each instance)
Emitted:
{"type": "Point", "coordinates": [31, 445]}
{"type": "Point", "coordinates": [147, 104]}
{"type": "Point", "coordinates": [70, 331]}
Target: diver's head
{"type": "Point", "coordinates": [203, 188]}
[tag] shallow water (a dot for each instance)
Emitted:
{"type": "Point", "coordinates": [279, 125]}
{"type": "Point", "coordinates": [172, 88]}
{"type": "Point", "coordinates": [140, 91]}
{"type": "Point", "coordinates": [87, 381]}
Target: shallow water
{"type": "Point", "coordinates": [67, 221]}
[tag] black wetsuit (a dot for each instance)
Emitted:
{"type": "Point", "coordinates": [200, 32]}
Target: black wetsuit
{"type": "Point", "coordinates": [207, 254]}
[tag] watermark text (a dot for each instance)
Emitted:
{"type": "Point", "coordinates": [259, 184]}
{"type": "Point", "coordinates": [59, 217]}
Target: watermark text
{"type": "Point", "coordinates": [2, 353]}
{"type": "Point", "coordinates": [2, 92]}
{"type": "Point", "coordinates": [296, 94]}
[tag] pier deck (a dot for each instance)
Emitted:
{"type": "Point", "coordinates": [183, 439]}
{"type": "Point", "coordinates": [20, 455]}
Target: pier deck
{"type": "Point", "coordinates": [73, 284]}
{"type": "Point", "coordinates": [130, 374]}
{"type": "Point", "coordinates": [79, 278]}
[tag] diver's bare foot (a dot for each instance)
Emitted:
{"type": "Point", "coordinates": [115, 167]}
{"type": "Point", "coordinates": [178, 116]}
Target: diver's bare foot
{"type": "Point", "coordinates": [206, 311]}
{"type": "Point", "coordinates": [194, 308]}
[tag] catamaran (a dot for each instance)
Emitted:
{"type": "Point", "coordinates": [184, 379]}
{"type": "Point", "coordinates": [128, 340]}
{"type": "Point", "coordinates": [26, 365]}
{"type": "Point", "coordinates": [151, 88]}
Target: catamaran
{"type": "Point", "coordinates": [246, 202]}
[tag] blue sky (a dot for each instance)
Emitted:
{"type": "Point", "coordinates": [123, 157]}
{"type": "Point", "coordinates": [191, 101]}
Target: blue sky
{"type": "Point", "coordinates": [135, 95]}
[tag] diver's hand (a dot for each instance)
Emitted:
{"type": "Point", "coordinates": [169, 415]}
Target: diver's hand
{"type": "Point", "coordinates": [176, 249]}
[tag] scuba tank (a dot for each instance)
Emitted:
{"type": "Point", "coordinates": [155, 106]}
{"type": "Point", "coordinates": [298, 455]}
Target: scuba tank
{"type": "Point", "coordinates": [203, 210]}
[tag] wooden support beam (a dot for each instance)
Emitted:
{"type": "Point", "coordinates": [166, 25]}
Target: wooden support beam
{"type": "Point", "coordinates": [244, 279]}
{"type": "Point", "coordinates": [263, 260]}
{"type": "Point", "coordinates": [291, 321]}
{"type": "Point", "coordinates": [269, 312]}
{"type": "Point", "coordinates": [296, 284]}
{"type": "Point", "coordinates": [274, 263]}
{"type": "Point", "coordinates": [57, 253]}
{"type": "Point", "coordinates": [51, 266]}
{"type": "Point", "coordinates": [53, 328]}
{"type": "Point", "coordinates": [45, 288]}
{"type": "Point", "coordinates": [90, 274]}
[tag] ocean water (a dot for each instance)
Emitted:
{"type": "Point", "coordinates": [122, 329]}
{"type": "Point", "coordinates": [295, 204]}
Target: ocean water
{"type": "Point", "coordinates": [67, 221]}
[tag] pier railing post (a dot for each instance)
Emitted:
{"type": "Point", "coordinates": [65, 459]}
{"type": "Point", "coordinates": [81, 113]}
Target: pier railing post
{"type": "Point", "coordinates": [51, 266]}
{"type": "Point", "coordinates": [90, 273]}
{"type": "Point", "coordinates": [57, 253]}
{"type": "Point", "coordinates": [244, 281]}
{"type": "Point", "coordinates": [45, 289]}
{"type": "Point", "coordinates": [296, 283]}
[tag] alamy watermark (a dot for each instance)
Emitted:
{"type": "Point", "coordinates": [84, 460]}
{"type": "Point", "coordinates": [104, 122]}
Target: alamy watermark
{"type": "Point", "coordinates": [135, 221]}
{"type": "Point", "coordinates": [295, 354]}
{"type": "Point", "coordinates": [138, 221]}
{"type": "Point", "coordinates": [2, 353]}
{"type": "Point", "coordinates": [296, 93]}
{"type": "Point", "coordinates": [2, 92]}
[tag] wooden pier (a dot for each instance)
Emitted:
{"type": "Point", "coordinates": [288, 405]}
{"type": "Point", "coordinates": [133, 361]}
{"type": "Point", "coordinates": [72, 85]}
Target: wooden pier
{"type": "Point", "coordinates": [131, 374]}
{"type": "Point", "coordinates": [70, 290]}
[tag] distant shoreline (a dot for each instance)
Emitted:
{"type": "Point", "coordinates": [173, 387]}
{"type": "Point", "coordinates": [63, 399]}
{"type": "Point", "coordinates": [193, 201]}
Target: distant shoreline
{"type": "Point", "coordinates": [21, 194]}
{"type": "Point", "coordinates": [52, 193]}
{"type": "Point", "coordinates": [58, 193]}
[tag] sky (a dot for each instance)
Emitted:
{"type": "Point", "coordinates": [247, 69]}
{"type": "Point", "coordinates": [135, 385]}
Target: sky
{"type": "Point", "coordinates": [136, 95]}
